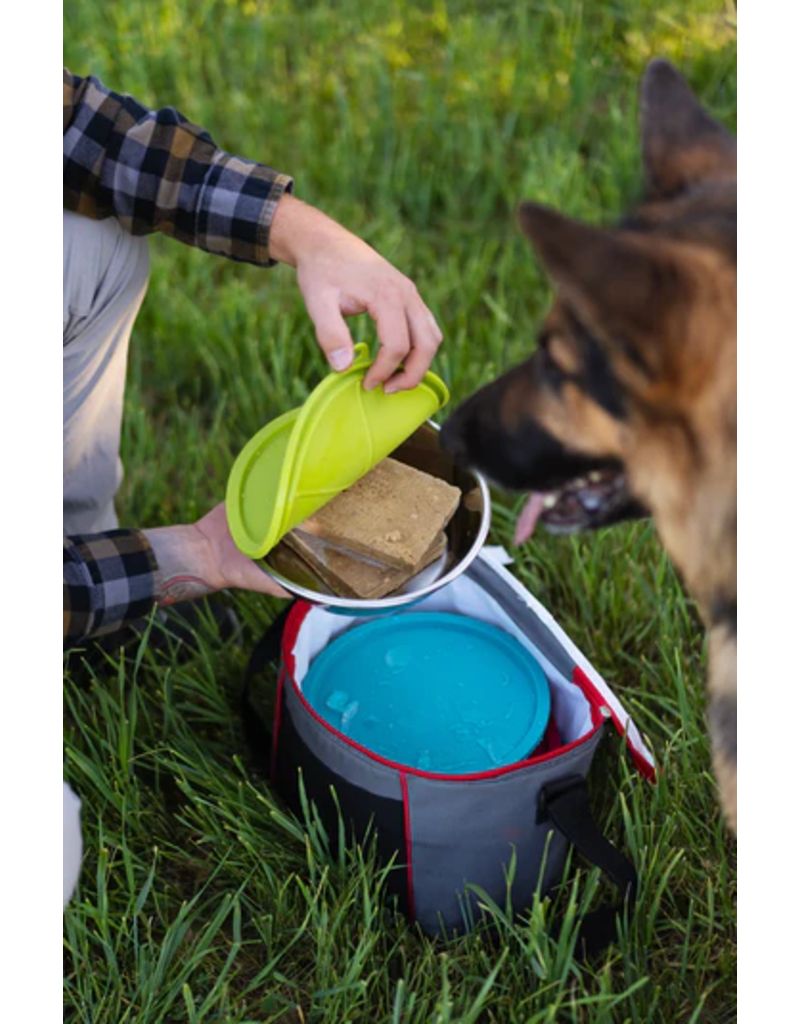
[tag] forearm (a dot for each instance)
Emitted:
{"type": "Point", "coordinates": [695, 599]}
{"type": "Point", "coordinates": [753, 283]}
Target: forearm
{"type": "Point", "coordinates": [298, 229]}
{"type": "Point", "coordinates": [183, 564]}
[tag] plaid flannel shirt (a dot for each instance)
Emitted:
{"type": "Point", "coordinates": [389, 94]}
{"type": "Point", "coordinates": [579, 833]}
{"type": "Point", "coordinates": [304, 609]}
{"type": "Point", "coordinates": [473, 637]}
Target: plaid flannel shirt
{"type": "Point", "coordinates": [155, 171]}
{"type": "Point", "coordinates": [152, 171]}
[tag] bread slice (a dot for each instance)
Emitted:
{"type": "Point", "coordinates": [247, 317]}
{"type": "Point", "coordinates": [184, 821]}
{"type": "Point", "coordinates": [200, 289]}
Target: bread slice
{"type": "Point", "coordinates": [351, 575]}
{"type": "Point", "coordinates": [392, 515]}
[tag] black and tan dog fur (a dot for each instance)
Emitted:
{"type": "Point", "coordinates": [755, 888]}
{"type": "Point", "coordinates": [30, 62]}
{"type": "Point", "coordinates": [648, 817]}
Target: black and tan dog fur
{"type": "Point", "coordinates": [628, 403]}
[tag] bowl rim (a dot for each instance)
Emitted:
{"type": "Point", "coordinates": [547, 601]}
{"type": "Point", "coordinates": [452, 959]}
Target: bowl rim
{"type": "Point", "coordinates": [382, 604]}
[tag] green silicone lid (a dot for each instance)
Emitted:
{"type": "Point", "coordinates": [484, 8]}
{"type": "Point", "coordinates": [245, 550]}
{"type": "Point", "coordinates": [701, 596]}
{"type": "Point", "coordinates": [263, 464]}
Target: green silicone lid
{"type": "Point", "coordinates": [304, 458]}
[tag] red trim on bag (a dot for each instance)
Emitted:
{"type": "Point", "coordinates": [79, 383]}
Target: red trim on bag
{"type": "Point", "coordinates": [492, 773]}
{"type": "Point", "coordinates": [290, 633]}
{"type": "Point", "coordinates": [598, 702]}
{"type": "Point", "coordinates": [552, 737]}
{"type": "Point", "coordinates": [409, 845]}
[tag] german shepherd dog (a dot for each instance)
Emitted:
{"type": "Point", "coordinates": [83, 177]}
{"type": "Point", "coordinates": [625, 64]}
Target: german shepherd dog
{"type": "Point", "coordinates": [628, 404]}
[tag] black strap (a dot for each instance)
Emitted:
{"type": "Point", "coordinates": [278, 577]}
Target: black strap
{"type": "Point", "coordinates": [266, 652]}
{"type": "Point", "coordinates": [566, 804]}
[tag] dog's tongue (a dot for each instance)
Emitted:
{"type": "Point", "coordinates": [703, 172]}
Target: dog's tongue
{"type": "Point", "coordinates": [528, 518]}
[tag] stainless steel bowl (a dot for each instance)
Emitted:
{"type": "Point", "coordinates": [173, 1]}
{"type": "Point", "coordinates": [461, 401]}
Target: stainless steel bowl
{"type": "Point", "coordinates": [466, 534]}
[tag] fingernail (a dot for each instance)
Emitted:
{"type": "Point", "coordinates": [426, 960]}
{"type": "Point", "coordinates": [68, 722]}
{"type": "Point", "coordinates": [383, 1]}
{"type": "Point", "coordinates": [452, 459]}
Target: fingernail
{"type": "Point", "coordinates": [341, 358]}
{"type": "Point", "coordinates": [390, 389]}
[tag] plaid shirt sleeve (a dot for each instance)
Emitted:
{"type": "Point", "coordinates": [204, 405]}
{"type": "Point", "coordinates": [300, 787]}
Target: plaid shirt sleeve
{"type": "Point", "coordinates": [154, 171]}
{"type": "Point", "coordinates": [109, 579]}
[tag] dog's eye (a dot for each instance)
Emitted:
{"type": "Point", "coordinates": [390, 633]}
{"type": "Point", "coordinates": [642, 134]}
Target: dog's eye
{"type": "Point", "coordinates": [549, 368]}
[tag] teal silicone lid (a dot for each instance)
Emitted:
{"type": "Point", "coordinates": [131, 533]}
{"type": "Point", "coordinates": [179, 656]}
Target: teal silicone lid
{"type": "Point", "coordinates": [437, 692]}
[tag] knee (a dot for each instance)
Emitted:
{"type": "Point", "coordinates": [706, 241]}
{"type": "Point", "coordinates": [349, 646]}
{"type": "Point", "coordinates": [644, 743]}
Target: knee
{"type": "Point", "coordinates": [73, 842]}
{"type": "Point", "coordinates": [103, 265]}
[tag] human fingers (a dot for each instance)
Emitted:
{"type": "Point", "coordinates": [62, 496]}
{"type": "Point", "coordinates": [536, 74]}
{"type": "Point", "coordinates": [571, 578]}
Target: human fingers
{"type": "Point", "coordinates": [426, 337]}
{"type": "Point", "coordinates": [333, 334]}
{"type": "Point", "coordinates": [394, 339]}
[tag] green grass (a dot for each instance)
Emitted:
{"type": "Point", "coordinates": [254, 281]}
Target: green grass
{"type": "Point", "coordinates": [420, 126]}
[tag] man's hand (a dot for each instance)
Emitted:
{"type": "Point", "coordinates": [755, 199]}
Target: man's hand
{"type": "Point", "coordinates": [339, 275]}
{"type": "Point", "coordinates": [197, 560]}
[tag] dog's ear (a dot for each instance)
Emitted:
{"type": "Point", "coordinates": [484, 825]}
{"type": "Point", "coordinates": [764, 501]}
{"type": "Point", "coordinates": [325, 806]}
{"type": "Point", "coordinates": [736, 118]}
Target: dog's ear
{"type": "Point", "coordinates": [617, 283]}
{"type": "Point", "coordinates": [681, 143]}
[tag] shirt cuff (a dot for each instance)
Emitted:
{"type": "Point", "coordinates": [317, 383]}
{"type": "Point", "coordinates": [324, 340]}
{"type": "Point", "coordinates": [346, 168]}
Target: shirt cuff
{"type": "Point", "coordinates": [109, 580]}
{"type": "Point", "coordinates": [236, 208]}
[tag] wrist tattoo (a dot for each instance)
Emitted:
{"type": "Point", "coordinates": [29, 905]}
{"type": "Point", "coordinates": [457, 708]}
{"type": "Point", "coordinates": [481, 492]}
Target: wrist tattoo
{"type": "Point", "coordinates": [183, 588]}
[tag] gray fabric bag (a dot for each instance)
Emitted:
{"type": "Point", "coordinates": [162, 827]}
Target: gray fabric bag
{"type": "Point", "coordinates": [452, 835]}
